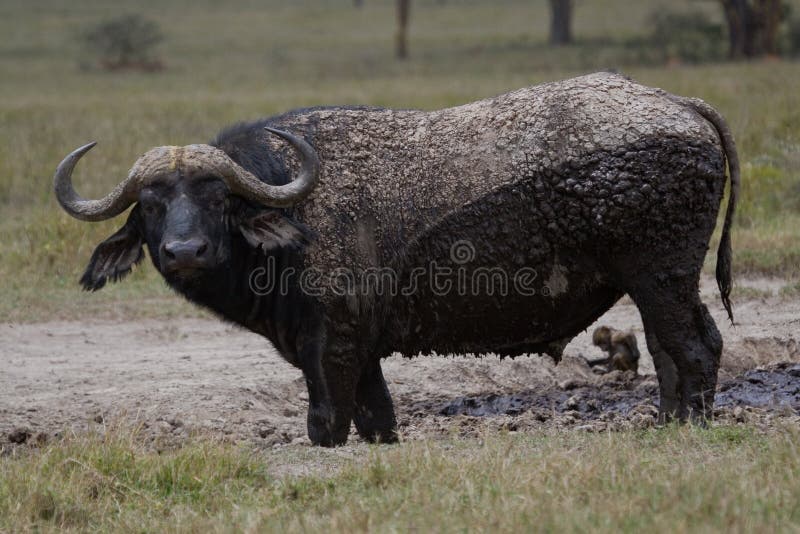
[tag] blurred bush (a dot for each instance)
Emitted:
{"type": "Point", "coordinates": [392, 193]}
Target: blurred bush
{"type": "Point", "coordinates": [126, 42]}
{"type": "Point", "coordinates": [689, 37]}
{"type": "Point", "coordinates": [793, 36]}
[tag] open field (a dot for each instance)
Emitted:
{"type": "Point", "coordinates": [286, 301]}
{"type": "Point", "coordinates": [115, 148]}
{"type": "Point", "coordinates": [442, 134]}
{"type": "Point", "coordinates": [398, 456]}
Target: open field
{"type": "Point", "coordinates": [139, 412]}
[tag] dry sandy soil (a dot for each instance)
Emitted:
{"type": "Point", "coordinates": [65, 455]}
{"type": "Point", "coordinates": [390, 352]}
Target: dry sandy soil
{"type": "Point", "coordinates": [181, 377]}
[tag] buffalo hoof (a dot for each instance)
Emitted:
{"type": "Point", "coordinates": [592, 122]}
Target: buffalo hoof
{"type": "Point", "coordinates": [380, 436]}
{"type": "Point", "coordinates": [325, 429]}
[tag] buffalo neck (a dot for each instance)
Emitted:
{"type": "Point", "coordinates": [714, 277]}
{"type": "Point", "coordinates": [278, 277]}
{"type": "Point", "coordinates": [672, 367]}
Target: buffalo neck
{"type": "Point", "coordinates": [237, 291]}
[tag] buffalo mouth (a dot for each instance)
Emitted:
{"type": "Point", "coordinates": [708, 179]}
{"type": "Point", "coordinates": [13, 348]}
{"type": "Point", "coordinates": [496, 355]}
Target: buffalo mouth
{"type": "Point", "coordinates": [187, 271]}
{"type": "Point", "coordinates": [190, 279]}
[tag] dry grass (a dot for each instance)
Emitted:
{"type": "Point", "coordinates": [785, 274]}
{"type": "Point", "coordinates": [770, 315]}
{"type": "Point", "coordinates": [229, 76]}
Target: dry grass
{"type": "Point", "coordinates": [728, 478]}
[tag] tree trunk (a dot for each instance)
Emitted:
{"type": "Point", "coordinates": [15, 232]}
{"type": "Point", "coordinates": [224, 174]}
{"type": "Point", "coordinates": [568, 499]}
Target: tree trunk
{"type": "Point", "coordinates": [401, 39]}
{"type": "Point", "coordinates": [772, 16]}
{"type": "Point", "coordinates": [753, 26]}
{"type": "Point", "coordinates": [560, 22]}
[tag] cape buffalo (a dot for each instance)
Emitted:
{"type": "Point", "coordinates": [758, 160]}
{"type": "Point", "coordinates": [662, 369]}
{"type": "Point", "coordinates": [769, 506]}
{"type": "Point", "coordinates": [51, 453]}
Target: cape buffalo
{"type": "Point", "coordinates": [506, 225]}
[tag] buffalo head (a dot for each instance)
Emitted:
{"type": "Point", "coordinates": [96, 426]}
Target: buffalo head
{"type": "Point", "coordinates": [191, 202]}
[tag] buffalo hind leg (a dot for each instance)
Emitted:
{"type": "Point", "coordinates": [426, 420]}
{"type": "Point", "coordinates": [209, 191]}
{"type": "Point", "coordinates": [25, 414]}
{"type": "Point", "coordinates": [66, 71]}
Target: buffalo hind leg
{"type": "Point", "coordinates": [668, 382]}
{"type": "Point", "coordinates": [681, 326]}
{"type": "Point", "coordinates": [374, 412]}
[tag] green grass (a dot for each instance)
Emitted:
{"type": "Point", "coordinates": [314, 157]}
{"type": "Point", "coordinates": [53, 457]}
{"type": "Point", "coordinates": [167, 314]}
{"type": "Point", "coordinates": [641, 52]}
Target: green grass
{"type": "Point", "coordinates": [791, 290]}
{"type": "Point", "coordinates": [245, 59]}
{"type": "Point", "coordinates": [727, 478]}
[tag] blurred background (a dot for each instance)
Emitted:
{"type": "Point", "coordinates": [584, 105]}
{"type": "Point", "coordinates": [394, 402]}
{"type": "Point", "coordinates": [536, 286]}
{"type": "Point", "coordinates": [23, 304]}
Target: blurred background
{"type": "Point", "coordinates": [133, 75]}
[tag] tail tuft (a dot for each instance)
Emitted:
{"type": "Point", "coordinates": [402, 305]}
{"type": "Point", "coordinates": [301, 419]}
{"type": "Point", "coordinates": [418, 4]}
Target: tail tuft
{"type": "Point", "coordinates": [724, 253]}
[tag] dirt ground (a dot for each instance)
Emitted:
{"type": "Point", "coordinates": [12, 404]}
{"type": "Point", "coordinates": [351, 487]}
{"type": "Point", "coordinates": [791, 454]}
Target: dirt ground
{"type": "Point", "coordinates": [182, 377]}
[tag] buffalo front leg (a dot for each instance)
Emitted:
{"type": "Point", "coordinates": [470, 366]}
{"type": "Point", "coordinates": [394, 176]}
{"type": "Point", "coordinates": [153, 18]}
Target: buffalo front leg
{"type": "Point", "coordinates": [374, 412]}
{"type": "Point", "coordinates": [331, 377]}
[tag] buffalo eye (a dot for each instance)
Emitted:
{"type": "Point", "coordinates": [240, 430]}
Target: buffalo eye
{"type": "Point", "coordinates": [218, 203]}
{"type": "Point", "coordinates": [212, 192]}
{"type": "Point", "coordinates": [150, 205]}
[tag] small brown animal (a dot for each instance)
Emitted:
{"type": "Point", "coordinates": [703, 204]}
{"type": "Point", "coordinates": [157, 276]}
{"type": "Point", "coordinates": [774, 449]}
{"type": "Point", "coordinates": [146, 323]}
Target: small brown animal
{"type": "Point", "coordinates": [623, 353]}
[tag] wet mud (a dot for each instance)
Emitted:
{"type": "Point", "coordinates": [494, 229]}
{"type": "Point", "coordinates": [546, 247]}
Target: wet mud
{"type": "Point", "coordinates": [775, 388]}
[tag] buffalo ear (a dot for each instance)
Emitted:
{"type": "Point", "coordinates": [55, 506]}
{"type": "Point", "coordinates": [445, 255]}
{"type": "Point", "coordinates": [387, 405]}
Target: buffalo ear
{"type": "Point", "coordinates": [114, 258]}
{"type": "Point", "coordinates": [271, 229]}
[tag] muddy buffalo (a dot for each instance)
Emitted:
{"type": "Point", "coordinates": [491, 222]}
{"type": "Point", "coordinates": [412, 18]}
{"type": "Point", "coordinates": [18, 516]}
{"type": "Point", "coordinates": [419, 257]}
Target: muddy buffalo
{"type": "Point", "coordinates": [345, 234]}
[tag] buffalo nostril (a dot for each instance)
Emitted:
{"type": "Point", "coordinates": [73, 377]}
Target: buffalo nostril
{"type": "Point", "coordinates": [189, 254]}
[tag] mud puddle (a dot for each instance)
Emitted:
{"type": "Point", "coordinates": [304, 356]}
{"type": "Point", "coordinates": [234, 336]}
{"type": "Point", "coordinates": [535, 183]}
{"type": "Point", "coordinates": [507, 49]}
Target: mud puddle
{"type": "Point", "coordinates": [775, 388]}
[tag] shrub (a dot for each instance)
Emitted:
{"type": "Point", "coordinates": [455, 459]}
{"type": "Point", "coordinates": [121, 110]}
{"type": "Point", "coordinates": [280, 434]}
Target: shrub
{"type": "Point", "coordinates": [126, 42]}
{"type": "Point", "coordinates": [793, 36]}
{"type": "Point", "coordinates": [687, 37]}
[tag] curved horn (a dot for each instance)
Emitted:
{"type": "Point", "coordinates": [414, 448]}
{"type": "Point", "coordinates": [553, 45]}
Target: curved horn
{"type": "Point", "coordinates": [280, 196]}
{"type": "Point", "coordinates": [238, 179]}
{"type": "Point", "coordinates": [89, 210]}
